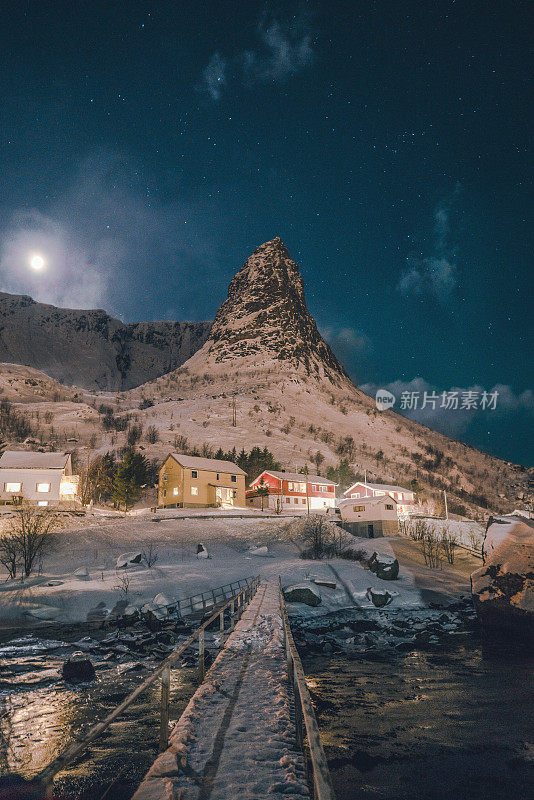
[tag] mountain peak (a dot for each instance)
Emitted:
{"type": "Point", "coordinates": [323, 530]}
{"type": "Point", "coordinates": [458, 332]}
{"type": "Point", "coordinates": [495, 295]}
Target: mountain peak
{"type": "Point", "coordinates": [265, 314]}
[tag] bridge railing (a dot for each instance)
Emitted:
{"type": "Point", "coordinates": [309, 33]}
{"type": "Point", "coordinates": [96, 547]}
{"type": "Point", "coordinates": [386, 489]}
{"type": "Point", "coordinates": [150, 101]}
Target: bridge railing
{"type": "Point", "coordinates": [237, 603]}
{"type": "Point", "coordinates": [308, 736]}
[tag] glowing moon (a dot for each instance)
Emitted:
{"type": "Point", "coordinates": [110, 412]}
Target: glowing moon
{"type": "Point", "coordinates": [37, 262]}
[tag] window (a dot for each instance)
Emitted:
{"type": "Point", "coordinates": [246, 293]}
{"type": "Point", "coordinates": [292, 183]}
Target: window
{"type": "Point", "coordinates": [42, 503]}
{"type": "Point", "coordinates": [379, 494]}
{"type": "Point", "coordinates": [399, 495]}
{"type": "Point", "coordinates": [303, 501]}
{"type": "Point", "coordinates": [359, 508]}
{"type": "Point", "coordinates": [43, 487]}
{"type": "Point", "coordinates": [12, 487]}
{"type": "Point", "coordinates": [389, 507]}
{"type": "Point", "coordinates": [233, 478]}
{"type": "Point", "coordinates": [194, 473]}
{"type": "Point", "coordinates": [175, 491]}
{"type": "Point", "coordinates": [234, 493]}
{"type": "Point", "coordinates": [287, 499]}
{"type": "Point", "coordinates": [194, 490]}
{"type": "Point", "coordinates": [296, 499]}
{"type": "Point", "coordinates": [218, 478]}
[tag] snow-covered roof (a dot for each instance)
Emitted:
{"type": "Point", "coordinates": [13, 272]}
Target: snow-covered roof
{"type": "Point", "coordinates": [368, 501]}
{"type": "Point", "coordinates": [385, 487]}
{"type": "Point", "coordinates": [211, 464]}
{"type": "Point", "coordinates": [296, 476]}
{"type": "Point", "coordinates": [24, 459]}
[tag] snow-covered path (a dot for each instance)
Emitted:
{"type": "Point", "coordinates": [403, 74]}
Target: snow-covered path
{"type": "Point", "coordinates": [236, 738]}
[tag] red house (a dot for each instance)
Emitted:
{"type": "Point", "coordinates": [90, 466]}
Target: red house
{"type": "Point", "coordinates": [405, 497]}
{"type": "Point", "coordinates": [291, 491]}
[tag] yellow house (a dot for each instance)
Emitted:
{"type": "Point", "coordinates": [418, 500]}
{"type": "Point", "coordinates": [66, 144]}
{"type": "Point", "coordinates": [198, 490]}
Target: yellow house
{"type": "Point", "coordinates": [190, 481]}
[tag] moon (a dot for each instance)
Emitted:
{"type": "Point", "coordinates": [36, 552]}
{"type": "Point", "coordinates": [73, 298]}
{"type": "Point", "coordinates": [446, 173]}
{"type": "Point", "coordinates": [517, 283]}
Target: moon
{"type": "Point", "coordinates": [37, 262]}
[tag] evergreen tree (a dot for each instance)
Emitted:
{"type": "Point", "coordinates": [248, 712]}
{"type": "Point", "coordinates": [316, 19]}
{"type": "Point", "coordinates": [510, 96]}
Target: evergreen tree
{"type": "Point", "coordinates": [129, 479]}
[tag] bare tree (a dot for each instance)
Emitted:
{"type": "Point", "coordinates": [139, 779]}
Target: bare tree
{"type": "Point", "coordinates": [30, 533]}
{"type": "Point", "coordinates": [9, 555]}
{"type": "Point", "coordinates": [150, 556]}
{"type": "Point", "coordinates": [449, 543]}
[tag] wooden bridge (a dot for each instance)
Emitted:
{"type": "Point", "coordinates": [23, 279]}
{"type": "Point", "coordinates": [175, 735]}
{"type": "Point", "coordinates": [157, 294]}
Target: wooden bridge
{"type": "Point", "coordinates": [249, 732]}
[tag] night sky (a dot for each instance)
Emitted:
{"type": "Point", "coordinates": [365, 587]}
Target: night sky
{"type": "Point", "coordinates": [148, 148]}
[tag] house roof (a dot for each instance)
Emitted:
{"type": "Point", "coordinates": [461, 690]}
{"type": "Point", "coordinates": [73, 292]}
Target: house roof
{"type": "Point", "coordinates": [367, 501]}
{"type": "Point", "coordinates": [296, 476]}
{"type": "Point", "coordinates": [386, 487]}
{"type": "Point", "coordinates": [25, 459]}
{"type": "Point", "coordinates": [211, 464]}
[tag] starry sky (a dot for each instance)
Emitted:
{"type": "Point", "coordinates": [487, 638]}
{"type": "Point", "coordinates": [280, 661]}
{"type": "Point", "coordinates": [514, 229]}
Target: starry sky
{"type": "Point", "coordinates": [148, 148]}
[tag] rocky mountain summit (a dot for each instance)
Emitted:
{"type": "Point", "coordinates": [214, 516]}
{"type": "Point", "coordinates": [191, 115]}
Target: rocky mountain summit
{"type": "Point", "coordinates": [266, 313]}
{"type": "Point", "coordinates": [90, 349]}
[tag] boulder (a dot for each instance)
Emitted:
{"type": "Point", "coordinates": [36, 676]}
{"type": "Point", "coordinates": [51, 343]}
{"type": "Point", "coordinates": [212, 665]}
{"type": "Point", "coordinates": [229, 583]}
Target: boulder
{"type": "Point", "coordinates": [503, 589]}
{"type": "Point", "coordinates": [127, 559]}
{"type": "Point", "coordinates": [154, 616]}
{"type": "Point", "coordinates": [129, 616]}
{"type": "Point", "coordinates": [201, 551]}
{"type": "Point", "coordinates": [305, 593]}
{"type": "Point", "coordinates": [162, 602]}
{"type": "Point", "coordinates": [78, 668]}
{"type": "Point", "coordinates": [384, 567]}
{"type": "Point", "coordinates": [259, 551]}
{"type": "Point", "coordinates": [82, 573]}
{"type": "Point", "coordinates": [379, 597]}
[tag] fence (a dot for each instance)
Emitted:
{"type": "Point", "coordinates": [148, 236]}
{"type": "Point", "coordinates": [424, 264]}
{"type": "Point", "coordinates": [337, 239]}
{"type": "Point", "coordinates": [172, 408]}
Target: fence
{"type": "Point", "coordinates": [308, 736]}
{"type": "Point", "coordinates": [236, 604]}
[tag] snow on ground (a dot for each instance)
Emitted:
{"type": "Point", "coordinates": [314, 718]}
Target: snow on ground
{"type": "Point", "coordinates": [236, 738]}
{"type": "Point", "coordinates": [60, 595]}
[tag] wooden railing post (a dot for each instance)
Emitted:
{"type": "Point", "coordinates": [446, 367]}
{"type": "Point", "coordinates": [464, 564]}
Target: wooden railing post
{"type": "Point", "coordinates": [164, 718]}
{"type": "Point", "coordinates": [232, 615]}
{"type": "Point", "coordinates": [201, 654]}
{"type": "Point", "coordinates": [221, 627]}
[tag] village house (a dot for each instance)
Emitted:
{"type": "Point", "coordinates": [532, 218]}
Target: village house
{"type": "Point", "coordinates": [370, 517]}
{"type": "Point", "coordinates": [405, 497]}
{"type": "Point", "coordinates": [291, 491]}
{"type": "Point", "coordinates": [42, 479]}
{"type": "Point", "coordinates": [191, 481]}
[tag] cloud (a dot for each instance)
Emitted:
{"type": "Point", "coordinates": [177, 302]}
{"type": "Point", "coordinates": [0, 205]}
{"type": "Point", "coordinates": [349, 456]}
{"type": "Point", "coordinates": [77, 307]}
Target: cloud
{"type": "Point", "coordinates": [104, 239]}
{"type": "Point", "coordinates": [214, 76]}
{"type": "Point", "coordinates": [435, 274]}
{"type": "Point", "coordinates": [284, 47]}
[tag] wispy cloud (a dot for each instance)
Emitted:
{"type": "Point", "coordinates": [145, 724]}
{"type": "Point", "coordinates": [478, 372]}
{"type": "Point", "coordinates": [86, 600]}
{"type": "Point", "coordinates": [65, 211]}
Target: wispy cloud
{"type": "Point", "coordinates": [435, 274]}
{"type": "Point", "coordinates": [214, 76]}
{"type": "Point", "coordinates": [283, 47]}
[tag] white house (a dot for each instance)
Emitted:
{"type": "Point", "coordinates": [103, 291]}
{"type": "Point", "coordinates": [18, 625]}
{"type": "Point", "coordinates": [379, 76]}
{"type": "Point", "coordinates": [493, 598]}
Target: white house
{"type": "Point", "coordinates": [370, 516]}
{"type": "Point", "coordinates": [43, 479]}
{"type": "Point", "coordinates": [405, 497]}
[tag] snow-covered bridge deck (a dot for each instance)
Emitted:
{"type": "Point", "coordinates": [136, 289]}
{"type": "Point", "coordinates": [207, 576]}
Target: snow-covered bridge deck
{"type": "Point", "coordinates": [237, 739]}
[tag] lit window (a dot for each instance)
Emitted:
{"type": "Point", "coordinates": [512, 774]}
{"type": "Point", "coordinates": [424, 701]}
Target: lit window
{"type": "Point", "coordinates": [287, 499]}
{"type": "Point", "coordinates": [400, 495]}
{"type": "Point", "coordinates": [12, 487]}
{"type": "Point", "coordinates": [175, 491]}
{"type": "Point", "coordinates": [379, 494]}
{"type": "Point", "coordinates": [67, 488]}
{"type": "Point", "coordinates": [359, 508]}
{"type": "Point", "coordinates": [194, 490]}
{"type": "Point", "coordinates": [43, 487]}
{"type": "Point", "coordinates": [194, 473]}
{"type": "Point", "coordinates": [42, 503]}
{"type": "Point", "coordinates": [233, 478]}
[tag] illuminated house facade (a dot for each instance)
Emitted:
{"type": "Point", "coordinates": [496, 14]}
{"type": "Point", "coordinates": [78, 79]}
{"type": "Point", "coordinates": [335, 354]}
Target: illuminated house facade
{"type": "Point", "coordinates": [191, 481]}
{"type": "Point", "coordinates": [41, 479]}
{"type": "Point", "coordinates": [405, 498]}
{"type": "Point", "coordinates": [291, 491]}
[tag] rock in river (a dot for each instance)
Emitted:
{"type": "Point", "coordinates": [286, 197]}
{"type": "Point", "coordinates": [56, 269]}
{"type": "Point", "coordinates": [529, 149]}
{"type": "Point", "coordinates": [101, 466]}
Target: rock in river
{"type": "Point", "coordinates": [379, 597]}
{"type": "Point", "coordinates": [78, 668]}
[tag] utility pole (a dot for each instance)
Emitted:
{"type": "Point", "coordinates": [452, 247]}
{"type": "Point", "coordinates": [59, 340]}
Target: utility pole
{"type": "Point", "coordinates": [234, 413]}
{"type": "Point", "coordinates": [446, 509]}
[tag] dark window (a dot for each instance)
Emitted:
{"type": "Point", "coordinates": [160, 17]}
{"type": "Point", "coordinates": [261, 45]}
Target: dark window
{"type": "Point", "coordinates": [218, 476]}
{"type": "Point", "coordinates": [389, 508]}
{"type": "Point", "coordinates": [233, 478]}
{"type": "Point", "coordinates": [194, 473]}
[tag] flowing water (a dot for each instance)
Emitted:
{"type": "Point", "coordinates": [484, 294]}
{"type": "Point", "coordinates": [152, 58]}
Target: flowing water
{"type": "Point", "coordinates": [442, 724]}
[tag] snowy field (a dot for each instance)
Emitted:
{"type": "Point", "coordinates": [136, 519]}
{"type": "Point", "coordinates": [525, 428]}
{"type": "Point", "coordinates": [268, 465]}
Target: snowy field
{"type": "Point", "coordinates": [59, 595]}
